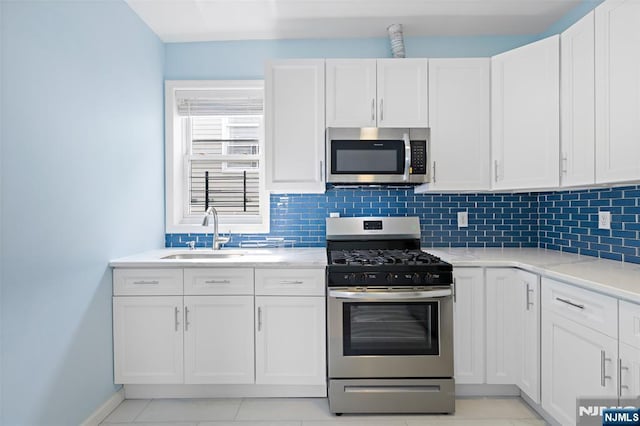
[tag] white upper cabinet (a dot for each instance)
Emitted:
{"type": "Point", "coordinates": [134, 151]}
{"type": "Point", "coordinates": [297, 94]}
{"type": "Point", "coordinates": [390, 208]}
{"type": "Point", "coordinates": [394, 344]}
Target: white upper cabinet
{"type": "Point", "coordinates": [294, 125]}
{"type": "Point", "coordinates": [377, 93]}
{"type": "Point", "coordinates": [617, 74]}
{"type": "Point", "coordinates": [402, 93]}
{"type": "Point", "coordinates": [577, 87]}
{"type": "Point", "coordinates": [525, 116]}
{"type": "Point", "coordinates": [459, 117]}
{"type": "Point", "coordinates": [351, 93]}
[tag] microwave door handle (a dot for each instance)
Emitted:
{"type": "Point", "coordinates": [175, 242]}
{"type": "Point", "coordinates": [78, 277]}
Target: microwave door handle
{"type": "Point", "coordinates": [407, 156]}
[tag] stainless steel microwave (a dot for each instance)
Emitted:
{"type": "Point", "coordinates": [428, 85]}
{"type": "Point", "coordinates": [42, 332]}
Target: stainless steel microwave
{"type": "Point", "coordinates": [377, 155]}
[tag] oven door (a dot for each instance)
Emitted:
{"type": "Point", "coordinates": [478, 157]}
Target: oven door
{"type": "Point", "coordinates": [390, 334]}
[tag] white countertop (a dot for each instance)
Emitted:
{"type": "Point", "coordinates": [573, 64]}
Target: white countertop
{"type": "Point", "coordinates": [312, 257]}
{"type": "Point", "coordinates": [618, 279]}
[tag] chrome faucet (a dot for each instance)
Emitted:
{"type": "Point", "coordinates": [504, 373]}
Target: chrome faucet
{"type": "Point", "coordinates": [217, 240]}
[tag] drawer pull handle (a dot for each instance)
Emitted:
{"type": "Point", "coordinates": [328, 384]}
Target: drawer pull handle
{"type": "Point", "coordinates": [568, 302]}
{"type": "Point", "coordinates": [603, 370]}
{"type": "Point", "coordinates": [176, 311]}
{"type": "Point", "coordinates": [217, 282]}
{"type": "Point", "coordinates": [285, 282]}
{"type": "Point", "coordinates": [259, 318]}
{"type": "Point", "coordinates": [186, 319]}
{"type": "Point", "coordinates": [143, 282]}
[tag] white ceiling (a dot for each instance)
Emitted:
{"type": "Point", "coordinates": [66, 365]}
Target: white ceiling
{"type": "Point", "coordinates": [208, 20]}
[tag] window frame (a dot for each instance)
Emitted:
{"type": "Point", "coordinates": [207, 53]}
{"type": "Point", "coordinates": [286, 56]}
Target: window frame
{"type": "Point", "coordinates": [176, 170]}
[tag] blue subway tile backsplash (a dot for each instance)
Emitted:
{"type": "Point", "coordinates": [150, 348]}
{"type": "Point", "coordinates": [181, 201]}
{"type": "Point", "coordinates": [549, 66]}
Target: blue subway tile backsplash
{"type": "Point", "coordinates": [568, 221]}
{"type": "Point", "coordinates": [495, 220]}
{"type": "Point", "coordinates": [559, 220]}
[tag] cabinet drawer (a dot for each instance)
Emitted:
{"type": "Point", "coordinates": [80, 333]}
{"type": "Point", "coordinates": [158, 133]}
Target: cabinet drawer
{"type": "Point", "coordinates": [141, 282]}
{"type": "Point", "coordinates": [294, 282]}
{"type": "Point", "coordinates": [588, 308]}
{"type": "Point", "coordinates": [630, 323]}
{"type": "Point", "coordinates": [218, 281]}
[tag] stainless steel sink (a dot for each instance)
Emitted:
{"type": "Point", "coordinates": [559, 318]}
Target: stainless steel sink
{"type": "Point", "coordinates": [210, 255]}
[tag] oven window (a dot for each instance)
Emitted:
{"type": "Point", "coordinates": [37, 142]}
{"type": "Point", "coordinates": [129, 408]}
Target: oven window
{"type": "Point", "coordinates": [390, 328]}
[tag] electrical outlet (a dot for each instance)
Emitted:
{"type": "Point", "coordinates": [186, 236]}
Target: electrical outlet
{"type": "Point", "coordinates": [604, 220]}
{"type": "Point", "coordinates": [463, 219]}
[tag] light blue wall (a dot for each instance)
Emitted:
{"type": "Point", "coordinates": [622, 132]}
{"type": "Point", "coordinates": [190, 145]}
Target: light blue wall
{"type": "Point", "coordinates": [245, 59]}
{"type": "Point", "coordinates": [81, 183]}
{"type": "Point", "coordinates": [571, 17]}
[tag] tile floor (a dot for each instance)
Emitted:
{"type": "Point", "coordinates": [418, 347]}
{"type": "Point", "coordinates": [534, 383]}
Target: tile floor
{"type": "Point", "coordinates": [309, 412]}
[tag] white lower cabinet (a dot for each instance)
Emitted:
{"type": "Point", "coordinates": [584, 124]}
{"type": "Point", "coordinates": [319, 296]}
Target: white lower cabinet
{"type": "Point", "coordinates": [629, 370]}
{"type": "Point", "coordinates": [503, 320]}
{"type": "Point", "coordinates": [577, 361]}
{"type": "Point", "coordinates": [147, 339]}
{"type": "Point", "coordinates": [468, 326]}
{"type": "Point", "coordinates": [528, 301]}
{"type": "Point", "coordinates": [579, 347]}
{"type": "Point", "coordinates": [290, 340]}
{"type": "Point", "coordinates": [218, 332]}
{"type": "Point", "coordinates": [513, 329]}
{"type": "Point", "coordinates": [218, 339]}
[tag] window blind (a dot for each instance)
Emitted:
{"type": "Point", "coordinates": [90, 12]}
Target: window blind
{"type": "Point", "coordinates": [220, 102]}
{"type": "Point", "coordinates": [224, 140]}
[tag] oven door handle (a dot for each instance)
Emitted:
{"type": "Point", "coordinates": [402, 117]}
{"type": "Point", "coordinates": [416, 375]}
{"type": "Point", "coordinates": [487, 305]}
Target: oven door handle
{"type": "Point", "coordinates": [391, 295]}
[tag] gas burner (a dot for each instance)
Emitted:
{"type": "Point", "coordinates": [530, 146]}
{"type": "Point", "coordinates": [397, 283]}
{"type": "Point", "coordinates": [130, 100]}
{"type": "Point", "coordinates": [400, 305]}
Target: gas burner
{"type": "Point", "coordinates": [378, 257]}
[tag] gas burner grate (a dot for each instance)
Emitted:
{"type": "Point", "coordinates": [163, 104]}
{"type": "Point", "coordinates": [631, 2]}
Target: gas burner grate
{"type": "Point", "coordinates": [377, 257]}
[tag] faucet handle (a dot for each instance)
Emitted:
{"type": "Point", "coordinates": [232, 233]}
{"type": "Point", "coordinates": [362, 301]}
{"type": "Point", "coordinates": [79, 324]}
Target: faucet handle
{"type": "Point", "coordinates": [191, 244]}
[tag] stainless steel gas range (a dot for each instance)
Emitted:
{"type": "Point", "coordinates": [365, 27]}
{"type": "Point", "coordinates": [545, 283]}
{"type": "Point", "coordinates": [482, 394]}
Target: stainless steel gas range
{"type": "Point", "coordinates": [389, 319]}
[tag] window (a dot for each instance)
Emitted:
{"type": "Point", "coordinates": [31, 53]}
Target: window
{"type": "Point", "coordinates": [215, 155]}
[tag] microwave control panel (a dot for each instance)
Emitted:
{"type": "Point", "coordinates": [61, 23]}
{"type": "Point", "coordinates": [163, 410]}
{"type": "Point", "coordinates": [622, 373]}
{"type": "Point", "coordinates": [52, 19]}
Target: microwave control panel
{"type": "Point", "coordinates": [418, 157]}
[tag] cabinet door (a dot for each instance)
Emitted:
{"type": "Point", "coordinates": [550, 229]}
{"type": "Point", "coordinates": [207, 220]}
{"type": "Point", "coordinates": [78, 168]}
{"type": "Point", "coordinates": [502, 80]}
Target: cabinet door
{"type": "Point", "coordinates": [618, 91]}
{"type": "Point", "coordinates": [290, 340]}
{"type": "Point", "coordinates": [577, 103]}
{"type": "Point", "coordinates": [218, 339]}
{"type": "Point", "coordinates": [576, 362]}
{"type": "Point", "coordinates": [459, 119]}
{"type": "Point", "coordinates": [503, 326]}
{"type": "Point", "coordinates": [147, 339]}
{"type": "Point", "coordinates": [351, 92]}
{"type": "Point", "coordinates": [468, 325]}
{"type": "Point", "coordinates": [525, 116]}
{"type": "Point", "coordinates": [629, 371]}
{"type": "Point", "coordinates": [294, 124]}
{"type": "Point", "coordinates": [528, 375]}
{"type": "Point", "coordinates": [402, 92]}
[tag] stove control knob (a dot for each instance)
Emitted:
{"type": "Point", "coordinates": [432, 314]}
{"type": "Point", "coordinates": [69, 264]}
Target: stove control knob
{"type": "Point", "coordinates": [352, 278]}
{"type": "Point", "coordinates": [389, 278]}
{"type": "Point", "coordinates": [428, 278]}
{"type": "Point", "coordinates": [360, 278]}
{"type": "Point", "coordinates": [415, 278]}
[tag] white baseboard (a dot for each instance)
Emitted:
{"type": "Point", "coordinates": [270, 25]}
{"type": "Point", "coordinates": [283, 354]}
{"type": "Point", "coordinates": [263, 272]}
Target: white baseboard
{"type": "Point", "coordinates": [224, 391]}
{"type": "Point", "coordinates": [105, 409]}
{"type": "Point", "coordinates": [486, 390]}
